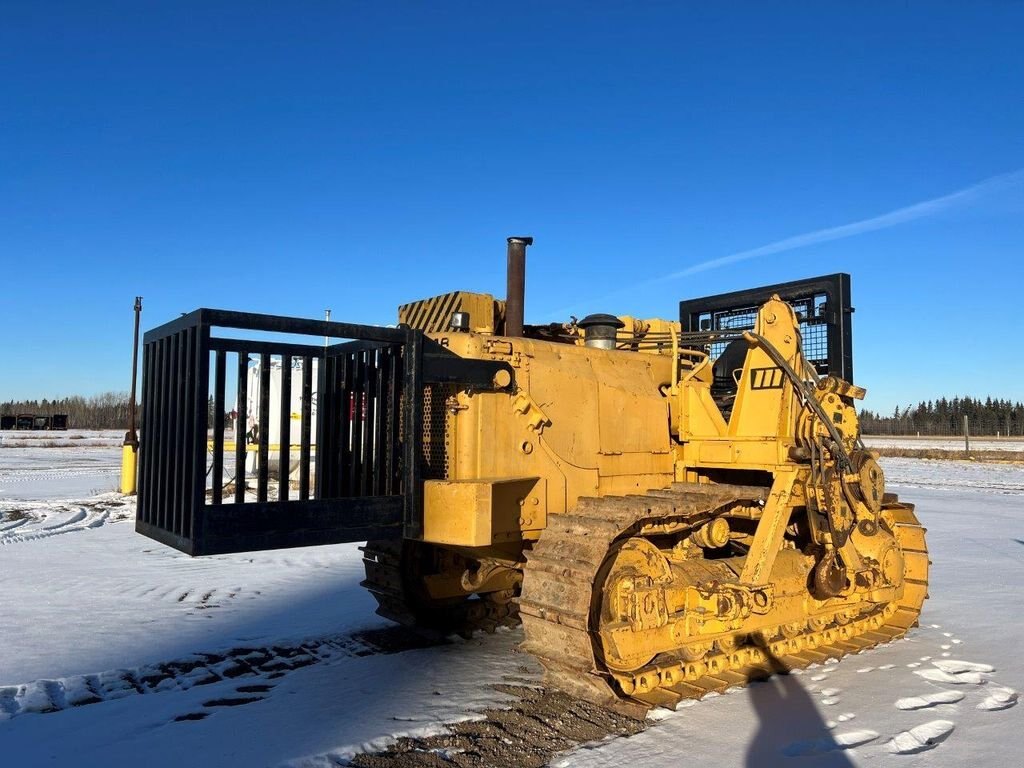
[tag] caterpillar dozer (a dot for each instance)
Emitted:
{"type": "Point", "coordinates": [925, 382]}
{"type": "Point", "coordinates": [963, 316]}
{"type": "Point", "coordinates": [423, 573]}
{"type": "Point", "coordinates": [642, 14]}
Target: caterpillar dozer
{"type": "Point", "coordinates": [669, 507]}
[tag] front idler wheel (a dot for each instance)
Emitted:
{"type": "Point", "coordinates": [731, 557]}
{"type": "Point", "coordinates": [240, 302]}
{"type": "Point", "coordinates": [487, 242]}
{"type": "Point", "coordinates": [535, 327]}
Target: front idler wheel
{"type": "Point", "coordinates": [630, 601]}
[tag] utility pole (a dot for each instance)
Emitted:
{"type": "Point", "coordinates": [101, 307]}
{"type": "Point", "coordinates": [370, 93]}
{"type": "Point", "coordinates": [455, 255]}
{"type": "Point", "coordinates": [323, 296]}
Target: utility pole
{"type": "Point", "coordinates": [130, 448]}
{"type": "Point", "coordinates": [967, 438]}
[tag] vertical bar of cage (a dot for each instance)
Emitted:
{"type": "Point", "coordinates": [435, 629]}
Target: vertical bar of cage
{"type": "Point", "coordinates": [159, 432]}
{"type": "Point", "coordinates": [342, 456]}
{"type": "Point", "coordinates": [145, 445]}
{"type": "Point", "coordinates": [394, 422]}
{"type": "Point", "coordinates": [166, 467]}
{"type": "Point", "coordinates": [327, 421]}
{"type": "Point", "coordinates": [177, 396]}
{"type": "Point", "coordinates": [324, 407]}
{"type": "Point", "coordinates": [307, 415]}
{"type": "Point", "coordinates": [356, 424]}
{"type": "Point", "coordinates": [380, 422]}
{"type": "Point", "coordinates": [190, 411]}
{"type": "Point", "coordinates": [201, 427]}
{"type": "Point", "coordinates": [263, 430]}
{"type": "Point", "coordinates": [285, 438]}
{"type": "Point", "coordinates": [333, 423]}
{"type": "Point", "coordinates": [845, 321]}
{"type": "Point", "coordinates": [413, 389]}
{"type": "Point", "coordinates": [150, 430]}
{"type": "Point", "coordinates": [160, 465]}
{"type": "Point", "coordinates": [241, 418]}
{"type": "Point", "coordinates": [219, 385]}
{"type": "Point", "coordinates": [369, 429]}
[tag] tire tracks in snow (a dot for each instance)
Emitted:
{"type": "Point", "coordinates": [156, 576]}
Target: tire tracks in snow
{"type": "Point", "coordinates": [78, 521]}
{"type": "Point", "coordinates": [45, 519]}
{"type": "Point", "coordinates": [15, 476]}
{"type": "Point", "coordinates": [268, 662]}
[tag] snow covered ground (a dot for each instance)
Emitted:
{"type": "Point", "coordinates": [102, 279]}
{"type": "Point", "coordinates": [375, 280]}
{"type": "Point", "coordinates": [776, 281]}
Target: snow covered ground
{"type": "Point", "coordinates": [115, 650]}
{"type": "Point", "coordinates": [71, 438]}
{"type": "Point", "coordinates": [47, 465]}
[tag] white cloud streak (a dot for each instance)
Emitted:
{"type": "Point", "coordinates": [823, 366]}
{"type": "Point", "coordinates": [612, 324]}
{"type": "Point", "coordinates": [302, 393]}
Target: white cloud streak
{"type": "Point", "coordinates": [909, 213]}
{"type": "Point", "coordinates": [922, 210]}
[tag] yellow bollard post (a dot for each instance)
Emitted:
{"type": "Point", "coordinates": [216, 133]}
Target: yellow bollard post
{"type": "Point", "coordinates": [129, 454]}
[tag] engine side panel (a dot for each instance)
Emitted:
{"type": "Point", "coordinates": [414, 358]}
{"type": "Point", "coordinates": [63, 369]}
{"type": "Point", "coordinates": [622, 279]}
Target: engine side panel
{"type": "Point", "coordinates": [579, 422]}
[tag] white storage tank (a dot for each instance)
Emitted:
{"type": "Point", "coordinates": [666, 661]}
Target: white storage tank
{"type": "Point", "coordinates": [289, 445]}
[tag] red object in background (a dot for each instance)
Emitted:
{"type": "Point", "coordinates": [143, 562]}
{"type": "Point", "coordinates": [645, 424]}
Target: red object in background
{"type": "Point", "coordinates": [352, 409]}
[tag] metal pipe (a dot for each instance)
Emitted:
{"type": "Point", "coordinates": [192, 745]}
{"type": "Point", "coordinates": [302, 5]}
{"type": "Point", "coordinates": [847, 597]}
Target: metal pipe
{"type": "Point", "coordinates": [515, 293]}
{"type": "Point", "coordinates": [132, 436]}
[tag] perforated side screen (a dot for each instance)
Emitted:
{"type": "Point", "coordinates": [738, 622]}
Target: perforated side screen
{"type": "Point", "coordinates": [821, 303]}
{"type": "Point", "coordinates": [436, 432]}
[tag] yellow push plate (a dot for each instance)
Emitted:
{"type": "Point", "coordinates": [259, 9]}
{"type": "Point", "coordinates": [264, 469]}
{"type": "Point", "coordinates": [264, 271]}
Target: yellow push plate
{"type": "Point", "coordinates": [478, 513]}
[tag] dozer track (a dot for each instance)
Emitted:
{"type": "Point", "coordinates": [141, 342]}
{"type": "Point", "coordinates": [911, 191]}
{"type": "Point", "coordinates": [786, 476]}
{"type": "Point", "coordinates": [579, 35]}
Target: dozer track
{"type": "Point", "coordinates": [560, 604]}
{"type": "Point", "coordinates": [394, 578]}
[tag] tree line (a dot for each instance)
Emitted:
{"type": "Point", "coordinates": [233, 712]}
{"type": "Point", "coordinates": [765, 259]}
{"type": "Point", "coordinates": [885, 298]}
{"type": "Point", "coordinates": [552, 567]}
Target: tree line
{"type": "Point", "coordinates": [990, 416]}
{"type": "Point", "coordinates": [108, 410]}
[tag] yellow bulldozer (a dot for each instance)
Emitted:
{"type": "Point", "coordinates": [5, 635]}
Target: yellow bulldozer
{"type": "Point", "coordinates": [670, 507]}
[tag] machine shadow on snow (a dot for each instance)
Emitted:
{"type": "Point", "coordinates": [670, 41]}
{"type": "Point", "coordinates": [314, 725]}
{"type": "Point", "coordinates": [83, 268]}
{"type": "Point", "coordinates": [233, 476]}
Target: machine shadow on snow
{"type": "Point", "coordinates": [343, 668]}
{"type": "Point", "coordinates": [260, 644]}
{"type": "Point", "coordinates": [786, 714]}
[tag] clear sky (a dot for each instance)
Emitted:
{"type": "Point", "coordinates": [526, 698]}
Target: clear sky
{"type": "Point", "coordinates": [291, 157]}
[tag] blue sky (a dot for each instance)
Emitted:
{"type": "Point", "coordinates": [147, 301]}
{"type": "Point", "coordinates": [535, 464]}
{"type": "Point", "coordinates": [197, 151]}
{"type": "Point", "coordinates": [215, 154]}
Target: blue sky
{"type": "Point", "coordinates": [292, 157]}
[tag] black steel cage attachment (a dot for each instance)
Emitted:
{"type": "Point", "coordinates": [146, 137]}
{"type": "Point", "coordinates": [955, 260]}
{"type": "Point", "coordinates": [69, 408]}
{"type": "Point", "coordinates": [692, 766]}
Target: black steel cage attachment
{"type": "Point", "coordinates": [261, 444]}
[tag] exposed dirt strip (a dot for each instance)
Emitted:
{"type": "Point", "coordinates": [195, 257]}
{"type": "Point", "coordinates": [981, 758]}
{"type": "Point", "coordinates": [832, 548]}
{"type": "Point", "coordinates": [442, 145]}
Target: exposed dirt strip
{"type": "Point", "coordinates": [528, 734]}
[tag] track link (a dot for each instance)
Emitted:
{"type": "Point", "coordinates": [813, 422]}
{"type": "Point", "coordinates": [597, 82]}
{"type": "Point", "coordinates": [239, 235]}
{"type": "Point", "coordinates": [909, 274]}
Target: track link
{"type": "Point", "coordinates": [560, 582]}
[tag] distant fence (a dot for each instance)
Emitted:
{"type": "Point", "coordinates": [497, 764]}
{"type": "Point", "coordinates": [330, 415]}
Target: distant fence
{"type": "Point", "coordinates": [983, 427]}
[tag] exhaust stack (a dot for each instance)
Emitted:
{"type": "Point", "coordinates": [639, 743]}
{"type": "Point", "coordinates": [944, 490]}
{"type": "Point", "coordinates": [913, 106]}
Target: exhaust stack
{"type": "Point", "coordinates": [515, 292]}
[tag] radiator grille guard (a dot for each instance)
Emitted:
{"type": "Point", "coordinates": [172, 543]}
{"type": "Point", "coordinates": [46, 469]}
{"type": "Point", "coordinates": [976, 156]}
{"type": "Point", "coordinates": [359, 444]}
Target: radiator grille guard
{"type": "Point", "coordinates": [251, 444]}
{"type": "Point", "coordinates": [437, 420]}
